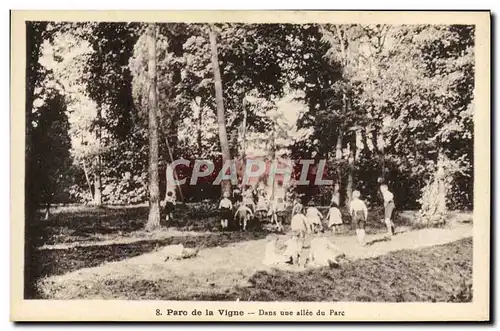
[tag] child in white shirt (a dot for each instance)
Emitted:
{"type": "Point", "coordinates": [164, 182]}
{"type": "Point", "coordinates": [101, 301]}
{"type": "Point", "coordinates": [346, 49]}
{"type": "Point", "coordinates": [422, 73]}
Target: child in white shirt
{"type": "Point", "coordinates": [314, 219]}
{"type": "Point", "coordinates": [299, 224]}
{"type": "Point", "coordinates": [226, 211]}
{"type": "Point", "coordinates": [169, 206]}
{"type": "Point", "coordinates": [388, 208]}
{"type": "Point", "coordinates": [359, 214]}
{"type": "Point", "coordinates": [334, 217]}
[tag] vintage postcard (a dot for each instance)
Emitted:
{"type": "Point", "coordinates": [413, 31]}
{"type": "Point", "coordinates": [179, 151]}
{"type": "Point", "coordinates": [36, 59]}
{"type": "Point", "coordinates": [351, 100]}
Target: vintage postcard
{"type": "Point", "coordinates": [250, 166]}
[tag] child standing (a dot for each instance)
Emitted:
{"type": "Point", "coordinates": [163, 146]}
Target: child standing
{"type": "Point", "coordinates": [299, 224]}
{"type": "Point", "coordinates": [280, 213]}
{"type": "Point", "coordinates": [314, 218]}
{"type": "Point", "coordinates": [388, 209]}
{"type": "Point", "coordinates": [261, 208]}
{"type": "Point", "coordinates": [336, 196]}
{"type": "Point", "coordinates": [248, 199]}
{"type": "Point", "coordinates": [226, 211]}
{"type": "Point", "coordinates": [334, 217]}
{"type": "Point", "coordinates": [169, 206]}
{"type": "Point", "coordinates": [297, 207]}
{"type": "Point", "coordinates": [359, 214]}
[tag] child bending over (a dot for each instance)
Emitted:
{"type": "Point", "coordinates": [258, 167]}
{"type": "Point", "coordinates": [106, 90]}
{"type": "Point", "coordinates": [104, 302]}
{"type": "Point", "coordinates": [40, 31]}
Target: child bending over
{"type": "Point", "coordinates": [242, 216]}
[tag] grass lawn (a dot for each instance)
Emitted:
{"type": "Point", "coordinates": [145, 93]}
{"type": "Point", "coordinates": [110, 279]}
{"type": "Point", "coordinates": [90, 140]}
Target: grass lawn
{"type": "Point", "coordinates": [104, 253]}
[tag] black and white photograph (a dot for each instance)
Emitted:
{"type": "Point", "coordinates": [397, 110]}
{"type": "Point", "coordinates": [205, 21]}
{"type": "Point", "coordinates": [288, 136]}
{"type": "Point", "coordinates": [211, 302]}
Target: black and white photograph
{"type": "Point", "coordinates": [243, 162]}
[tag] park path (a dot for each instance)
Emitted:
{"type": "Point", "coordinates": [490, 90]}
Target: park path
{"type": "Point", "coordinates": [222, 268]}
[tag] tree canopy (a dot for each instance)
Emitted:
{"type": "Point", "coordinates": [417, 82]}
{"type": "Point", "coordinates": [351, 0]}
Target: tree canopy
{"type": "Point", "coordinates": [388, 101]}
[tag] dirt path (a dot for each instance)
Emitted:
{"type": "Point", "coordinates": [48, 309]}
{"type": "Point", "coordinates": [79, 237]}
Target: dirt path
{"type": "Point", "coordinates": [219, 268]}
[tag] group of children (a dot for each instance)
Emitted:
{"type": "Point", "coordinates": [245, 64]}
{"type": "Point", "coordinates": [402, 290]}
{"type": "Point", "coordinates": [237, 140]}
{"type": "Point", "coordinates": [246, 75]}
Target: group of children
{"type": "Point", "coordinates": [246, 209]}
{"type": "Point", "coordinates": [322, 251]}
{"type": "Point", "coordinates": [303, 220]}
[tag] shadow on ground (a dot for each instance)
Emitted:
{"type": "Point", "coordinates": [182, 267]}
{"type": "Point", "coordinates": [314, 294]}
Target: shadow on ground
{"type": "Point", "coordinates": [87, 223]}
{"type": "Point", "coordinates": [437, 274]}
{"type": "Point", "coordinates": [59, 261]}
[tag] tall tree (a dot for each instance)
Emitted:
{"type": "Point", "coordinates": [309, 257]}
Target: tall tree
{"type": "Point", "coordinates": [154, 190]}
{"type": "Point", "coordinates": [219, 99]}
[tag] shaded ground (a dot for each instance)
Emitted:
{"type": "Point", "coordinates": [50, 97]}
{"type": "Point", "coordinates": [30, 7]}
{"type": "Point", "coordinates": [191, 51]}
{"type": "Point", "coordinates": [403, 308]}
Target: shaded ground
{"type": "Point", "coordinates": [82, 224]}
{"type": "Point", "coordinates": [438, 274]}
{"type": "Point", "coordinates": [381, 271]}
{"type": "Point", "coordinates": [56, 261]}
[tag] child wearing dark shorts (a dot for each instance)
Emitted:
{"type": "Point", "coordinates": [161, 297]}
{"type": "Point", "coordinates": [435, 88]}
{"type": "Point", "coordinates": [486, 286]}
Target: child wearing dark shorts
{"type": "Point", "coordinates": [226, 211]}
{"type": "Point", "coordinates": [359, 214]}
{"type": "Point", "coordinates": [388, 208]}
{"type": "Point", "coordinates": [169, 206]}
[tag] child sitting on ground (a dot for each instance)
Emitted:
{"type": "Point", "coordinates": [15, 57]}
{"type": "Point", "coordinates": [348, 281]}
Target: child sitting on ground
{"type": "Point", "coordinates": [324, 253]}
{"type": "Point", "coordinates": [270, 255]}
{"type": "Point", "coordinates": [359, 214]}
{"type": "Point", "coordinates": [293, 249]}
{"type": "Point", "coordinates": [177, 252]}
{"type": "Point", "coordinates": [334, 217]}
{"type": "Point", "coordinates": [226, 211]}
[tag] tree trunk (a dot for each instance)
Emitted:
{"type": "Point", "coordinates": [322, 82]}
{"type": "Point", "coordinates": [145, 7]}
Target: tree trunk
{"type": "Point", "coordinates": [352, 155]}
{"type": "Point", "coordinates": [154, 190]}
{"type": "Point", "coordinates": [244, 138]}
{"type": "Point", "coordinates": [34, 37]}
{"type": "Point", "coordinates": [366, 149]}
{"type": "Point", "coordinates": [97, 175]}
{"type": "Point", "coordinates": [338, 146]}
{"type": "Point", "coordinates": [97, 184]}
{"type": "Point", "coordinates": [200, 125]}
{"type": "Point", "coordinates": [382, 155]}
{"type": "Point", "coordinates": [86, 173]}
{"type": "Point", "coordinates": [441, 199]}
{"type": "Point", "coordinates": [221, 120]}
{"type": "Point", "coordinates": [350, 176]}
{"type": "Point", "coordinates": [375, 140]}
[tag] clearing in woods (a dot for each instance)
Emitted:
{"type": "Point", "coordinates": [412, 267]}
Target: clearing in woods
{"type": "Point", "coordinates": [421, 265]}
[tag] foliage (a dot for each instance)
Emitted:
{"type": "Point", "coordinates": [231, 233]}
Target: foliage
{"type": "Point", "coordinates": [392, 97]}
